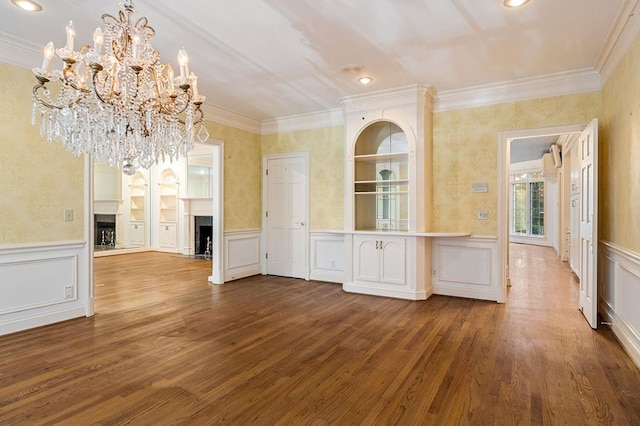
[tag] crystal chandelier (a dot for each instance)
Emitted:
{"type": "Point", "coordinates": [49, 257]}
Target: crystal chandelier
{"type": "Point", "coordinates": [123, 106]}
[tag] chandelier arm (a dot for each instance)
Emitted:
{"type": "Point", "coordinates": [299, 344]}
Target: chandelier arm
{"type": "Point", "coordinates": [40, 99]}
{"type": "Point", "coordinates": [69, 82]}
{"type": "Point", "coordinates": [166, 109]}
{"type": "Point", "coordinates": [96, 68]}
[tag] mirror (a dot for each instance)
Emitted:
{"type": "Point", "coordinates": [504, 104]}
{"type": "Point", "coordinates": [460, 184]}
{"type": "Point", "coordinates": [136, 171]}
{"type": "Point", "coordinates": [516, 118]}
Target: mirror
{"type": "Point", "coordinates": [199, 176]}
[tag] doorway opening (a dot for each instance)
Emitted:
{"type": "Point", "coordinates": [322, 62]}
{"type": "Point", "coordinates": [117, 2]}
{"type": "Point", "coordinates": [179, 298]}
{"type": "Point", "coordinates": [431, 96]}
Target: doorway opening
{"type": "Point", "coordinates": [532, 198]}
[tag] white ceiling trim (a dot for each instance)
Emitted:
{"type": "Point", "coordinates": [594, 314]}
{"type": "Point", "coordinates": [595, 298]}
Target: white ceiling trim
{"type": "Point", "coordinates": [623, 32]}
{"type": "Point", "coordinates": [19, 52]}
{"type": "Point", "coordinates": [314, 120]}
{"type": "Point", "coordinates": [232, 119]}
{"type": "Point", "coordinates": [563, 83]}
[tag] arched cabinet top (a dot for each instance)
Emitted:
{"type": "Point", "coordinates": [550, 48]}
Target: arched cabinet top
{"type": "Point", "coordinates": [381, 137]}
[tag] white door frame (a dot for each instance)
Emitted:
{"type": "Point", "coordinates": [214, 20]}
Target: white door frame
{"type": "Point", "coordinates": [504, 154]}
{"type": "Point", "coordinates": [263, 239]}
{"type": "Point", "coordinates": [217, 231]}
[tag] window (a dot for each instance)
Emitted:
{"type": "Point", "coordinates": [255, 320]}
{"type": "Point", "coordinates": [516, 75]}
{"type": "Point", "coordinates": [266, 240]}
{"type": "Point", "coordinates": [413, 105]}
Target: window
{"type": "Point", "coordinates": [527, 204]}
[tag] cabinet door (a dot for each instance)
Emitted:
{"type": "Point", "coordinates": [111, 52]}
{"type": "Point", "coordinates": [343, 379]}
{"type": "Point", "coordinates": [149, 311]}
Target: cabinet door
{"type": "Point", "coordinates": [366, 259]}
{"type": "Point", "coordinates": [393, 260]}
{"type": "Point", "coordinates": [136, 234]}
{"type": "Point", "coordinates": [167, 235]}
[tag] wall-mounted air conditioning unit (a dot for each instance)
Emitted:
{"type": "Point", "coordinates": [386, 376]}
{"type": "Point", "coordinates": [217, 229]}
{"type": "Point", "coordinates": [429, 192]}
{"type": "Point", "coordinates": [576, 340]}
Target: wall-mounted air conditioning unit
{"type": "Point", "coordinates": [556, 155]}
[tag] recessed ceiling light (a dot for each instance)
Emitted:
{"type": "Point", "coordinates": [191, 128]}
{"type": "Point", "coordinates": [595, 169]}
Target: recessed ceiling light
{"type": "Point", "coordinates": [514, 3]}
{"type": "Point", "coordinates": [365, 79]}
{"type": "Point", "coordinates": [28, 5]}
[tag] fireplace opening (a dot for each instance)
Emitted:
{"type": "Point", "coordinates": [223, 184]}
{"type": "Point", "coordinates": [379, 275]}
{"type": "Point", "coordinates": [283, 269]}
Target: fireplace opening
{"type": "Point", "coordinates": [203, 236]}
{"type": "Point", "coordinates": [105, 230]}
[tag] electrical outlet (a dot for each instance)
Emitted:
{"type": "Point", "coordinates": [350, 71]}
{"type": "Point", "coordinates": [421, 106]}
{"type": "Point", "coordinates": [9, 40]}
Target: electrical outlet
{"type": "Point", "coordinates": [434, 272]}
{"type": "Point", "coordinates": [68, 292]}
{"type": "Point", "coordinates": [68, 215]}
{"type": "Point", "coordinates": [483, 214]}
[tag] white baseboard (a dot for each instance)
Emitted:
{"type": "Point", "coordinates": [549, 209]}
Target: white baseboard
{"type": "Point", "coordinates": [41, 319]}
{"type": "Point", "coordinates": [373, 290]}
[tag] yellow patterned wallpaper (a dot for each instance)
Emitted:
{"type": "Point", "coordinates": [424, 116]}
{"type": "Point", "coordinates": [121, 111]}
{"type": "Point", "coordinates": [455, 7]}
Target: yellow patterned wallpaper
{"type": "Point", "coordinates": [465, 150]}
{"type": "Point", "coordinates": [37, 181]}
{"type": "Point", "coordinates": [326, 163]}
{"type": "Point", "coordinates": [620, 154]}
{"type": "Point", "coordinates": [242, 176]}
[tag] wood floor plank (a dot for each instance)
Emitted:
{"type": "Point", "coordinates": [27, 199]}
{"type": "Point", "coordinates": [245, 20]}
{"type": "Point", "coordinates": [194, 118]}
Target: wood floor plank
{"type": "Point", "coordinates": [166, 347]}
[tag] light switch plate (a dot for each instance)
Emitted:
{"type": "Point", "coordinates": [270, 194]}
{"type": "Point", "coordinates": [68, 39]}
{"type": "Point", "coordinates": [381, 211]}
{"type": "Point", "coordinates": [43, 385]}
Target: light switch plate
{"type": "Point", "coordinates": [483, 214]}
{"type": "Point", "coordinates": [68, 215]}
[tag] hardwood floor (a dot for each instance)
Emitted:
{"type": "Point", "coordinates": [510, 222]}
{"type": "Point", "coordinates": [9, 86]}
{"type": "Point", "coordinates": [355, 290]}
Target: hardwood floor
{"type": "Point", "coordinates": [165, 347]}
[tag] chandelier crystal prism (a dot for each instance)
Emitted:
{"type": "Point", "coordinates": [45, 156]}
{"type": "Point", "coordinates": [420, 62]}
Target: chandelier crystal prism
{"type": "Point", "coordinates": [123, 107]}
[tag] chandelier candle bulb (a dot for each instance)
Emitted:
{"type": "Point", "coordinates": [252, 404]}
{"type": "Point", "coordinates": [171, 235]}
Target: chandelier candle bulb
{"type": "Point", "coordinates": [71, 36]}
{"type": "Point", "coordinates": [194, 86]}
{"type": "Point", "coordinates": [183, 60]}
{"type": "Point", "coordinates": [172, 87]}
{"type": "Point", "coordinates": [136, 45]}
{"type": "Point", "coordinates": [98, 39]}
{"type": "Point", "coordinates": [49, 50]}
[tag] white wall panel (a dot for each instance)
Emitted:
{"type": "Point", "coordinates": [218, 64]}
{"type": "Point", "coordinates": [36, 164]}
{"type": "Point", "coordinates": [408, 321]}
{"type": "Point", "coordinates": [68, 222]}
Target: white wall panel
{"type": "Point", "coordinates": [43, 283]}
{"type": "Point", "coordinates": [619, 277]}
{"type": "Point", "coordinates": [327, 257]}
{"type": "Point", "coordinates": [466, 267]}
{"type": "Point", "coordinates": [34, 283]}
{"type": "Point", "coordinates": [242, 254]}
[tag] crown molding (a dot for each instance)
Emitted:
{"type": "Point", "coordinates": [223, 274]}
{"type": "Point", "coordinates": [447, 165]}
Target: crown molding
{"type": "Point", "coordinates": [313, 120]}
{"type": "Point", "coordinates": [558, 84]}
{"type": "Point", "coordinates": [623, 32]}
{"type": "Point", "coordinates": [410, 95]}
{"type": "Point", "coordinates": [19, 52]}
{"type": "Point", "coordinates": [232, 119]}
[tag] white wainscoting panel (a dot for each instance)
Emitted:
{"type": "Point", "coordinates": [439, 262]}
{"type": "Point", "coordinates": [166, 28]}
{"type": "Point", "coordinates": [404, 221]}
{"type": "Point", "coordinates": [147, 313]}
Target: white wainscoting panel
{"type": "Point", "coordinates": [466, 267]}
{"type": "Point", "coordinates": [43, 283]}
{"type": "Point", "coordinates": [241, 254]}
{"type": "Point", "coordinates": [327, 257]}
{"type": "Point", "coordinates": [619, 277]}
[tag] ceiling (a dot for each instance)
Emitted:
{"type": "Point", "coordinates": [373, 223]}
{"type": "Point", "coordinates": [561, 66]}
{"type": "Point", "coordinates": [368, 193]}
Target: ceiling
{"type": "Point", "coordinates": [276, 58]}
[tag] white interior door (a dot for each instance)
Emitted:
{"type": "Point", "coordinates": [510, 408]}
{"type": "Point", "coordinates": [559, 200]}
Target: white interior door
{"type": "Point", "coordinates": [589, 223]}
{"type": "Point", "coordinates": [286, 216]}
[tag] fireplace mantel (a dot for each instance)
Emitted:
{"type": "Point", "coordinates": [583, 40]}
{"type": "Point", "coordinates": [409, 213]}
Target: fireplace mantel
{"type": "Point", "coordinates": [193, 207]}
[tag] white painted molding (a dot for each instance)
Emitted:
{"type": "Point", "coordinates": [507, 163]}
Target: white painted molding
{"type": "Point", "coordinates": [389, 98]}
{"type": "Point", "coordinates": [314, 120]}
{"type": "Point", "coordinates": [241, 254]}
{"type": "Point", "coordinates": [9, 249]}
{"type": "Point", "coordinates": [43, 283]}
{"type": "Point", "coordinates": [562, 83]}
{"type": "Point", "coordinates": [19, 52]}
{"type": "Point", "coordinates": [232, 119]}
{"type": "Point", "coordinates": [327, 257]}
{"type": "Point", "coordinates": [466, 267]}
{"type": "Point", "coordinates": [623, 32]}
{"type": "Point", "coordinates": [619, 277]}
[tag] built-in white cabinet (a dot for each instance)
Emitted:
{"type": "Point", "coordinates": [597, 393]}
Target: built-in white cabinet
{"type": "Point", "coordinates": [137, 234]}
{"type": "Point", "coordinates": [137, 209]}
{"type": "Point", "coordinates": [380, 259]}
{"type": "Point", "coordinates": [388, 192]}
{"type": "Point", "coordinates": [168, 209]}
